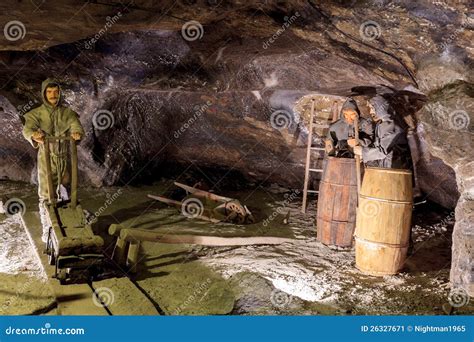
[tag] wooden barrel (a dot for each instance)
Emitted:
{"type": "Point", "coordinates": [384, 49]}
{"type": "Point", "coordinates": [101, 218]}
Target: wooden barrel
{"type": "Point", "coordinates": [383, 220]}
{"type": "Point", "coordinates": [337, 202]}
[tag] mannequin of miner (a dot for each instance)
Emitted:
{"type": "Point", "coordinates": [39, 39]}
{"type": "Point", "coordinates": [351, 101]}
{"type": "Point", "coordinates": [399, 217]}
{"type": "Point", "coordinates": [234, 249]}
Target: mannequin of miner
{"type": "Point", "coordinates": [390, 145]}
{"type": "Point", "coordinates": [51, 119]}
{"type": "Point", "coordinates": [340, 139]}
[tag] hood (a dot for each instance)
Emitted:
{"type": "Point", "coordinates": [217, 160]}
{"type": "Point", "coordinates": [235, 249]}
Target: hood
{"type": "Point", "coordinates": [44, 84]}
{"type": "Point", "coordinates": [350, 104]}
{"type": "Point", "coordinates": [381, 107]}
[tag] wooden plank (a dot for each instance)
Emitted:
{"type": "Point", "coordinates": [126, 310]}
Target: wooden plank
{"type": "Point", "coordinates": [134, 235]}
{"type": "Point", "coordinates": [203, 194]}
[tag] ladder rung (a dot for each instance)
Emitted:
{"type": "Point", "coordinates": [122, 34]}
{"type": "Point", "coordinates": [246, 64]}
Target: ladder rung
{"type": "Point", "coordinates": [318, 148]}
{"type": "Point", "coordinates": [316, 170]}
{"type": "Point", "coordinates": [312, 191]}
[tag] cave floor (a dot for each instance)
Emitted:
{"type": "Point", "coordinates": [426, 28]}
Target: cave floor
{"type": "Point", "coordinates": [302, 277]}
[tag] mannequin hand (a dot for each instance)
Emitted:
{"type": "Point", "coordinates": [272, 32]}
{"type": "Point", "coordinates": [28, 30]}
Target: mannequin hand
{"type": "Point", "coordinates": [358, 150]}
{"type": "Point", "coordinates": [76, 136]}
{"type": "Point", "coordinates": [38, 136]}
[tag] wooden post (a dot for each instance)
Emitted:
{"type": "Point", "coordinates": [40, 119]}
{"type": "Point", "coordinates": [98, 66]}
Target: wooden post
{"type": "Point", "coordinates": [335, 111]}
{"type": "Point", "coordinates": [357, 157]}
{"type": "Point", "coordinates": [73, 173]}
{"type": "Point", "coordinates": [120, 251]}
{"type": "Point", "coordinates": [47, 156]}
{"type": "Point", "coordinates": [132, 258]}
{"type": "Point", "coordinates": [308, 157]}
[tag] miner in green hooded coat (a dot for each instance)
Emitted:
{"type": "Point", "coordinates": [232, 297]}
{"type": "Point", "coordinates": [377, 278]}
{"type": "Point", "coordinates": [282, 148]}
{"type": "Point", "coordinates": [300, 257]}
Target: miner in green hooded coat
{"type": "Point", "coordinates": [52, 118]}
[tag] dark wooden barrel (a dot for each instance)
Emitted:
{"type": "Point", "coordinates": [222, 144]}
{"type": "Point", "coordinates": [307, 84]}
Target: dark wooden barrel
{"type": "Point", "coordinates": [337, 202]}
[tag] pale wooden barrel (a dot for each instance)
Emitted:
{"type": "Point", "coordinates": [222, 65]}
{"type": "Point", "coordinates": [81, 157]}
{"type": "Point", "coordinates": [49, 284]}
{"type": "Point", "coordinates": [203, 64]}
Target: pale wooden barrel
{"type": "Point", "coordinates": [383, 220]}
{"type": "Point", "coordinates": [337, 202]}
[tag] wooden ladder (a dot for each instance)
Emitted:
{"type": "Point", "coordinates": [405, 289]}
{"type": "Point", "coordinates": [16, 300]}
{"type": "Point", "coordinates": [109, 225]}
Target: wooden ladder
{"type": "Point", "coordinates": [319, 149]}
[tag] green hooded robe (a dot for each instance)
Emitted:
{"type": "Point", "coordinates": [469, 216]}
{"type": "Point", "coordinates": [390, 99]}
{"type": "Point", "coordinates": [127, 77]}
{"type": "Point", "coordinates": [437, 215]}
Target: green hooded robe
{"type": "Point", "coordinates": [58, 121]}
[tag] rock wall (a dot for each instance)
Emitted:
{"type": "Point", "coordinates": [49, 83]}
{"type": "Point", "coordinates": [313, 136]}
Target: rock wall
{"type": "Point", "coordinates": [205, 102]}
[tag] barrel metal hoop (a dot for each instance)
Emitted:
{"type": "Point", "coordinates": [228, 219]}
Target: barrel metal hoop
{"type": "Point", "coordinates": [385, 244]}
{"type": "Point", "coordinates": [385, 200]}
{"type": "Point", "coordinates": [337, 184]}
{"type": "Point", "coordinates": [332, 220]}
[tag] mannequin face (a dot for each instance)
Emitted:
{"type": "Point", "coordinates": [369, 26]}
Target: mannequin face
{"type": "Point", "coordinates": [349, 116]}
{"type": "Point", "coordinates": [372, 112]}
{"type": "Point", "coordinates": [52, 95]}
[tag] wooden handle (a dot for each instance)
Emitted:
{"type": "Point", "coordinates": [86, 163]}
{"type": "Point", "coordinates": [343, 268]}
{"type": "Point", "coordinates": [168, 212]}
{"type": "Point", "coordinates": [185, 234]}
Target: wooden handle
{"type": "Point", "coordinates": [357, 157]}
{"type": "Point", "coordinates": [74, 167]}
{"type": "Point", "coordinates": [49, 175]}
